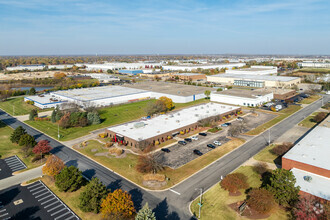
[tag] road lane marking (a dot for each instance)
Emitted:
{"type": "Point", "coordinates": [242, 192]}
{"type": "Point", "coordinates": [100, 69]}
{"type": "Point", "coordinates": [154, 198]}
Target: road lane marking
{"type": "Point", "coordinates": [175, 192]}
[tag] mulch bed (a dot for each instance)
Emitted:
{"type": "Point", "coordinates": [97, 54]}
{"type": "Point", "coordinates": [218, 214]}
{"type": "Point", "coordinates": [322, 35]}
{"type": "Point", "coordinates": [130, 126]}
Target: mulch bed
{"type": "Point", "coordinates": [238, 193]}
{"type": "Point", "coordinates": [248, 212]}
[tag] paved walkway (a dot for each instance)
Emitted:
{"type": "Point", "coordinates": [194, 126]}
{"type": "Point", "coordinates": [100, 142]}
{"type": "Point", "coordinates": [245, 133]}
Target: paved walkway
{"type": "Point", "coordinates": [252, 162]}
{"type": "Point", "coordinates": [26, 117]}
{"type": "Point", "coordinates": [20, 178]}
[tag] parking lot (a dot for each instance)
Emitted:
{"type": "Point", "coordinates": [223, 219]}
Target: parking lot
{"type": "Point", "coordinates": [179, 154]}
{"type": "Point", "coordinates": [10, 165]}
{"type": "Point", "coordinates": [34, 201]}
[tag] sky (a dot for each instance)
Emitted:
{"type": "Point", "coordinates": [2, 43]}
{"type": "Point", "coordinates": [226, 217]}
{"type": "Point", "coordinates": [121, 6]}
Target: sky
{"type": "Point", "coordinates": [84, 27]}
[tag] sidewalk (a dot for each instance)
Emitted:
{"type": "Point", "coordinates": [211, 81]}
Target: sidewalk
{"type": "Point", "coordinates": [20, 178]}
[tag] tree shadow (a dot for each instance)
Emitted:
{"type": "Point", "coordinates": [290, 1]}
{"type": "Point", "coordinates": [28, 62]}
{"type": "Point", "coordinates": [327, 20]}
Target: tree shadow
{"type": "Point", "coordinates": [9, 195]}
{"type": "Point", "coordinates": [266, 179]}
{"type": "Point", "coordinates": [136, 198]}
{"type": "Point", "coordinates": [72, 163]}
{"type": "Point", "coordinates": [114, 185]}
{"type": "Point", "coordinates": [27, 214]}
{"type": "Point", "coordinates": [161, 212]}
{"type": "Point", "coordinates": [89, 173]}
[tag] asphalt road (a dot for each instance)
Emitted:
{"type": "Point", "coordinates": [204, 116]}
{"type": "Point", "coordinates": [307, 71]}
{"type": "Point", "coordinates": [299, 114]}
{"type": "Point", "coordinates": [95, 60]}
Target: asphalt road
{"type": "Point", "coordinates": [171, 204]}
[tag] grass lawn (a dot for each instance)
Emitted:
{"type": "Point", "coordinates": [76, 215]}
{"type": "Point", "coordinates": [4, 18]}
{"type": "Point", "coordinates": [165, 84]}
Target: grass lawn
{"type": "Point", "coordinates": [216, 200]}
{"type": "Point", "coordinates": [184, 105]}
{"type": "Point", "coordinates": [109, 116]}
{"type": "Point", "coordinates": [314, 70]}
{"type": "Point", "coordinates": [8, 149]}
{"type": "Point", "coordinates": [265, 155]}
{"type": "Point", "coordinates": [126, 166]}
{"type": "Point", "coordinates": [310, 99]}
{"type": "Point", "coordinates": [282, 115]}
{"type": "Point", "coordinates": [21, 108]}
{"type": "Point", "coordinates": [71, 199]}
{"type": "Point", "coordinates": [308, 121]}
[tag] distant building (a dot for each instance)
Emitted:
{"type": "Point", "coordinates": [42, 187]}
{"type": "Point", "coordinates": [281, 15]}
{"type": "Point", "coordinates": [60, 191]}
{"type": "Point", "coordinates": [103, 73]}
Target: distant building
{"type": "Point", "coordinates": [119, 66]}
{"type": "Point", "coordinates": [60, 67]}
{"type": "Point", "coordinates": [242, 97]}
{"type": "Point", "coordinates": [202, 66]}
{"type": "Point", "coordinates": [130, 72]}
{"type": "Point", "coordinates": [190, 76]}
{"type": "Point", "coordinates": [309, 161]}
{"type": "Point", "coordinates": [280, 93]}
{"type": "Point", "coordinates": [102, 77]}
{"type": "Point", "coordinates": [254, 80]}
{"type": "Point", "coordinates": [26, 67]}
{"type": "Point", "coordinates": [254, 70]}
{"type": "Point", "coordinates": [311, 64]}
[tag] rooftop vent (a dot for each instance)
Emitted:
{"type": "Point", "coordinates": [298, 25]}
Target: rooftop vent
{"type": "Point", "coordinates": [139, 124]}
{"type": "Point", "coordinates": [214, 109]}
{"type": "Point", "coordinates": [196, 115]}
{"type": "Point", "coordinates": [308, 178]}
{"type": "Point", "coordinates": [207, 111]}
{"type": "Point", "coordinates": [177, 121]}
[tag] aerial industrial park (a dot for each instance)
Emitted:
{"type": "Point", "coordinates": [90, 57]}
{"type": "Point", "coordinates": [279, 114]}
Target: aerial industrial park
{"type": "Point", "coordinates": [142, 111]}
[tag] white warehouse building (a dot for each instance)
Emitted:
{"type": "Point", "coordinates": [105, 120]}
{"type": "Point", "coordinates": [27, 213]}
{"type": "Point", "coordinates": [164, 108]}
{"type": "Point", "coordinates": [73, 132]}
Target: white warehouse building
{"type": "Point", "coordinates": [118, 66]}
{"type": "Point", "coordinates": [254, 70]}
{"type": "Point", "coordinates": [312, 64]}
{"type": "Point", "coordinates": [203, 66]}
{"type": "Point", "coordinates": [240, 97]}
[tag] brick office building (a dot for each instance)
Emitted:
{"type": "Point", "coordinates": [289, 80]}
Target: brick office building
{"type": "Point", "coordinates": [164, 127]}
{"type": "Point", "coordinates": [309, 161]}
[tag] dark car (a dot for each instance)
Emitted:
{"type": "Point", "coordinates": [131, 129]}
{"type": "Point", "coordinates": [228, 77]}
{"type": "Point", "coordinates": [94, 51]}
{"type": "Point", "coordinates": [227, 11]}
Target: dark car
{"type": "Point", "coordinates": [182, 142]}
{"type": "Point", "coordinates": [211, 146]}
{"type": "Point", "coordinates": [197, 152]}
{"type": "Point", "coordinates": [188, 139]}
{"type": "Point", "coordinates": [166, 150]}
{"type": "Point", "coordinates": [203, 134]}
{"type": "Point", "coordinates": [228, 123]}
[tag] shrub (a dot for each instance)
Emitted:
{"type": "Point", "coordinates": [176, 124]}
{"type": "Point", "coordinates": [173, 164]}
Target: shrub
{"type": "Point", "coordinates": [53, 166]}
{"type": "Point", "coordinates": [36, 158]}
{"type": "Point", "coordinates": [109, 144]}
{"type": "Point", "coordinates": [309, 207]}
{"type": "Point", "coordinates": [117, 151]}
{"type": "Point", "coordinates": [319, 117]}
{"type": "Point", "coordinates": [233, 182]}
{"type": "Point", "coordinates": [103, 135]}
{"type": "Point", "coordinates": [260, 200]}
{"type": "Point", "coordinates": [281, 149]}
{"type": "Point", "coordinates": [33, 114]}
{"type": "Point", "coordinates": [69, 179]}
{"type": "Point", "coordinates": [41, 119]}
{"type": "Point", "coordinates": [260, 168]}
{"type": "Point", "coordinates": [154, 177]}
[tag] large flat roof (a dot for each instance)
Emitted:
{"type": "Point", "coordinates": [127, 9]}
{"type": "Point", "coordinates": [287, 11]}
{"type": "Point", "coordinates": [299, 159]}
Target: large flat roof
{"type": "Point", "coordinates": [317, 185]}
{"type": "Point", "coordinates": [188, 74]}
{"type": "Point", "coordinates": [256, 77]}
{"type": "Point", "coordinates": [314, 148]}
{"type": "Point", "coordinates": [172, 121]}
{"type": "Point", "coordinates": [247, 93]}
{"type": "Point", "coordinates": [276, 90]}
{"type": "Point", "coordinates": [96, 93]}
{"type": "Point", "coordinates": [43, 99]}
{"type": "Point", "coordinates": [169, 88]}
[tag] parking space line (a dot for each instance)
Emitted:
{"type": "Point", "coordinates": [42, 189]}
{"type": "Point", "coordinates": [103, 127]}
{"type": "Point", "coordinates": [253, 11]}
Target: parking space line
{"type": "Point", "coordinates": [14, 170]}
{"type": "Point", "coordinates": [74, 216]}
{"type": "Point", "coordinates": [48, 200]}
{"type": "Point", "coordinates": [62, 215]}
{"type": "Point", "coordinates": [37, 184]}
{"type": "Point", "coordinates": [12, 162]}
{"type": "Point", "coordinates": [3, 210]}
{"type": "Point", "coordinates": [4, 214]}
{"type": "Point", "coordinates": [51, 204]}
{"type": "Point", "coordinates": [20, 161]}
{"type": "Point", "coordinates": [9, 158]}
{"type": "Point", "coordinates": [36, 188]}
{"type": "Point", "coordinates": [41, 194]}
{"type": "Point", "coordinates": [18, 167]}
{"type": "Point", "coordinates": [49, 210]}
{"type": "Point", "coordinates": [58, 211]}
{"type": "Point", "coordinates": [38, 191]}
{"type": "Point", "coordinates": [15, 165]}
{"type": "Point", "coordinates": [44, 198]}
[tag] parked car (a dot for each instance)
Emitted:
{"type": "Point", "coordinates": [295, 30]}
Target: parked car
{"type": "Point", "coordinates": [195, 138]}
{"type": "Point", "coordinates": [182, 142]}
{"type": "Point", "coordinates": [197, 152]}
{"type": "Point", "coordinates": [187, 140]}
{"type": "Point", "coordinates": [239, 119]}
{"type": "Point", "coordinates": [210, 146]}
{"type": "Point", "coordinates": [228, 123]}
{"type": "Point", "coordinates": [203, 134]}
{"type": "Point", "coordinates": [217, 143]}
{"type": "Point", "coordinates": [166, 150]}
{"type": "Point", "coordinates": [224, 125]}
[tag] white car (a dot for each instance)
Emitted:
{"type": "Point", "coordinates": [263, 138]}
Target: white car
{"type": "Point", "coordinates": [195, 138]}
{"type": "Point", "coordinates": [218, 143]}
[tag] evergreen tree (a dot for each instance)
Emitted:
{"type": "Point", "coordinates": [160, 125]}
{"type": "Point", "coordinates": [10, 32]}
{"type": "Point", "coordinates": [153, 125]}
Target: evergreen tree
{"type": "Point", "coordinates": [33, 114]}
{"type": "Point", "coordinates": [96, 119]}
{"type": "Point", "coordinates": [281, 184]}
{"type": "Point", "coordinates": [91, 197]}
{"type": "Point", "coordinates": [17, 133]}
{"type": "Point", "coordinates": [69, 179]}
{"type": "Point", "coordinates": [58, 114]}
{"type": "Point", "coordinates": [27, 140]}
{"type": "Point", "coordinates": [32, 91]}
{"type": "Point", "coordinates": [145, 213]}
{"type": "Point", "coordinates": [53, 116]}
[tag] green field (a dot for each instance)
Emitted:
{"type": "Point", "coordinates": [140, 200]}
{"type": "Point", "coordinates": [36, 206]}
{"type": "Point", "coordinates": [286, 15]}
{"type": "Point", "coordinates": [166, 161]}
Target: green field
{"type": "Point", "coordinates": [308, 122]}
{"type": "Point", "coordinates": [8, 149]}
{"type": "Point", "coordinates": [310, 99]}
{"type": "Point", "coordinates": [282, 115]}
{"type": "Point", "coordinates": [109, 116]}
{"type": "Point", "coordinates": [265, 155]}
{"type": "Point", "coordinates": [314, 70]}
{"type": "Point", "coordinates": [17, 106]}
{"type": "Point", "coordinates": [216, 200]}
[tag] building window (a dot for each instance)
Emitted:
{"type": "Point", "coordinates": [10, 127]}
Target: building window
{"type": "Point", "coordinates": [131, 144]}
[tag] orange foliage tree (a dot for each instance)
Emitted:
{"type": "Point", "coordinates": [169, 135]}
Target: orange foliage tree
{"type": "Point", "coordinates": [117, 204]}
{"type": "Point", "coordinates": [53, 166]}
{"type": "Point", "coordinates": [59, 75]}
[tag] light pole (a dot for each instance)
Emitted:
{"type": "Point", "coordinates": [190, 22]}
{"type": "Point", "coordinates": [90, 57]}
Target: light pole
{"type": "Point", "coordinates": [58, 131]}
{"type": "Point", "coordinates": [269, 137]}
{"type": "Point", "coordinates": [13, 110]}
{"type": "Point", "coordinates": [200, 202]}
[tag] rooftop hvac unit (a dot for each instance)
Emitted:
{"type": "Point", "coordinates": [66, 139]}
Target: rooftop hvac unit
{"type": "Point", "coordinates": [178, 121]}
{"type": "Point", "coordinates": [207, 111]}
{"type": "Point", "coordinates": [196, 115]}
{"type": "Point", "coordinates": [178, 113]}
{"type": "Point", "coordinates": [196, 109]}
{"type": "Point", "coordinates": [214, 109]}
{"type": "Point", "coordinates": [202, 107]}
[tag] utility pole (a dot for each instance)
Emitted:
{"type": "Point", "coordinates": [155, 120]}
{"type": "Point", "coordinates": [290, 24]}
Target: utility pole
{"type": "Point", "coordinates": [58, 131]}
{"type": "Point", "coordinates": [200, 202]}
{"type": "Point", "coordinates": [269, 137]}
{"type": "Point", "coordinates": [13, 110]}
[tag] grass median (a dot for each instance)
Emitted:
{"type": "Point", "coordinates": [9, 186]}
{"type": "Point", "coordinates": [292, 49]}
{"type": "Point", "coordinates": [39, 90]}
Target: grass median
{"type": "Point", "coordinates": [282, 115]}
{"type": "Point", "coordinates": [310, 99]}
{"type": "Point", "coordinates": [266, 155]}
{"type": "Point", "coordinates": [216, 200]}
{"type": "Point", "coordinates": [17, 106]}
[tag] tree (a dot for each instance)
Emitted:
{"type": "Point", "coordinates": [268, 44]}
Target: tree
{"type": "Point", "coordinates": [261, 168]}
{"type": "Point", "coordinates": [109, 71]}
{"type": "Point", "coordinates": [42, 147]}
{"type": "Point", "coordinates": [219, 90]}
{"type": "Point", "coordinates": [27, 141]}
{"type": "Point", "coordinates": [69, 179]}
{"type": "Point", "coordinates": [281, 149]}
{"type": "Point", "coordinates": [33, 114]}
{"type": "Point", "coordinates": [319, 117]}
{"type": "Point", "coordinates": [145, 213]}
{"type": "Point", "coordinates": [17, 133]}
{"type": "Point", "coordinates": [117, 205]}
{"type": "Point", "coordinates": [59, 75]}
{"type": "Point", "coordinates": [90, 199]}
{"type": "Point", "coordinates": [53, 166]}
{"type": "Point", "coordinates": [155, 107]}
{"type": "Point", "coordinates": [207, 93]}
{"type": "Point", "coordinates": [233, 182]}
{"type": "Point", "coordinates": [64, 122]}
{"type": "Point", "coordinates": [32, 91]}
{"type": "Point", "coordinates": [260, 200]}
{"type": "Point", "coordinates": [148, 163]}
{"type": "Point", "coordinates": [53, 116]}
{"type": "Point", "coordinates": [93, 118]}
{"type": "Point", "coordinates": [168, 102]}
{"type": "Point", "coordinates": [308, 207]}
{"type": "Point", "coordinates": [281, 184]}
